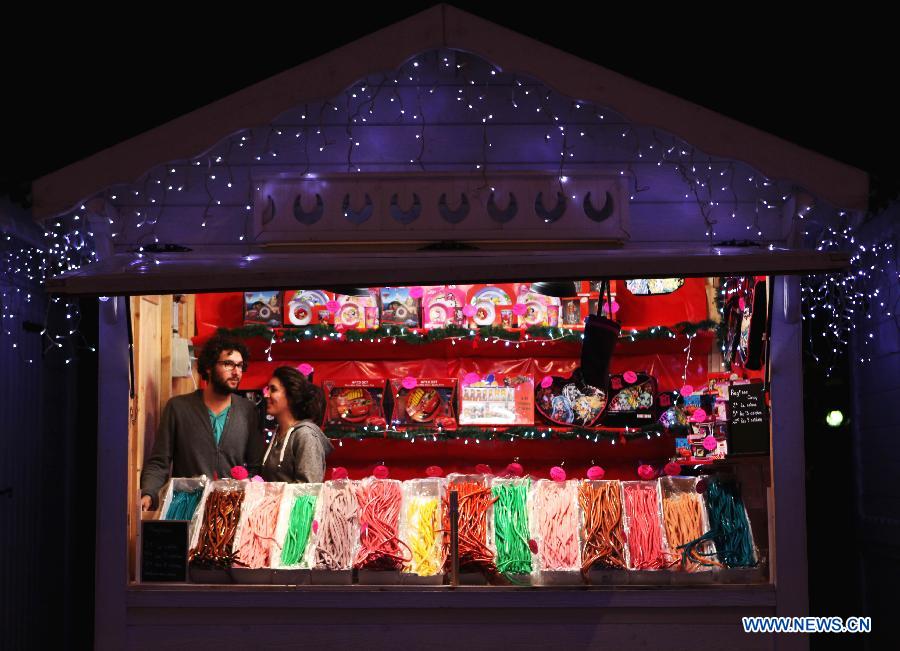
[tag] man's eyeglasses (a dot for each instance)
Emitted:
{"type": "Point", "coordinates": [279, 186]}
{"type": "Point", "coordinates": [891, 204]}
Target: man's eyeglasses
{"type": "Point", "coordinates": [230, 365]}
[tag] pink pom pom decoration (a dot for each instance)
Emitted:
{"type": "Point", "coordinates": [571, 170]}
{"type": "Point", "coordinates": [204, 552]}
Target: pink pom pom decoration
{"type": "Point", "coordinates": [709, 443]}
{"type": "Point", "coordinates": [381, 472]}
{"type": "Point", "coordinates": [672, 469]}
{"type": "Point", "coordinates": [305, 368]}
{"type": "Point", "coordinates": [339, 472]}
{"type": "Point", "coordinates": [557, 474]}
{"type": "Point", "coordinates": [239, 472]}
{"type": "Point", "coordinates": [646, 472]}
{"type": "Point", "coordinates": [515, 469]}
{"type": "Point", "coordinates": [630, 377]}
{"type": "Point", "coordinates": [546, 382]}
{"type": "Point", "coordinates": [686, 390]}
{"type": "Point", "coordinates": [483, 469]}
{"type": "Point", "coordinates": [434, 471]}
{"type": "Point", "coordinates": [257, 478]}
{"type": "Point", "coordinates": [409, 382]}
{"type": "Point", "coordinates": [595, 472]}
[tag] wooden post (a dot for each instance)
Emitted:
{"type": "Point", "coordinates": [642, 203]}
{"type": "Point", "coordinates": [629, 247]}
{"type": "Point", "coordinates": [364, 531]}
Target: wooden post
{"type": "Point", "coordinates": [788, 458]}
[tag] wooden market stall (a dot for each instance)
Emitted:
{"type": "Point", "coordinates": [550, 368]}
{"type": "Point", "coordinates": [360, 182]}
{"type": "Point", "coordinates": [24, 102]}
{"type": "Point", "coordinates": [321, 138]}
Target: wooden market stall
{"type": "Point", "coordinates": [441, 150]}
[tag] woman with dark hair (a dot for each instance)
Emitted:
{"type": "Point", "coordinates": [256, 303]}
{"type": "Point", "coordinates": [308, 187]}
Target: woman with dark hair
{"type": "Point", "coordinates": [298, 448]}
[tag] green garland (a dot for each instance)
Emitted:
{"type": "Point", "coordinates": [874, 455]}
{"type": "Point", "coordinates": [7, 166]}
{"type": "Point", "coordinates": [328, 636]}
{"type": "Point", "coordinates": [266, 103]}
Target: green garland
{"type": "Point", "coordinates": [503, 433]}
{"type": "Point", "coordinates": [486, 333]}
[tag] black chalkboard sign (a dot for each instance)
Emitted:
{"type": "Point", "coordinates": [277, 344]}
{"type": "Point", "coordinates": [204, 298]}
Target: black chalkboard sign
{"type": "Point", "coordinates": [164, 546]}
{"type": "Point", "coordinates": [748, 419]}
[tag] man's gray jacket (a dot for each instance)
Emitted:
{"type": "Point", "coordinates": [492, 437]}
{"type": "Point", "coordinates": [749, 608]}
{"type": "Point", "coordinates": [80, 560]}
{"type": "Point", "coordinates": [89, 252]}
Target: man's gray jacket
{"type": "Point", "coordinates": [185, 441]}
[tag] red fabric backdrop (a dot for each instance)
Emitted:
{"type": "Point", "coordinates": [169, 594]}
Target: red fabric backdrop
{"type": "Point", "coordinates": [664, 359]}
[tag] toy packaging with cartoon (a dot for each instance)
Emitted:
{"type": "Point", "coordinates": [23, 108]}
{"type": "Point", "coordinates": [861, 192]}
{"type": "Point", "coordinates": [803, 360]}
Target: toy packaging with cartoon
{"type": "Point", "coordinates": [424, 401]}
{"type": "Point", "coordinates": [399, 307]}
{"type": "Point", "coordinates": [262, 308]}
{"type": "Point", "coordinates": [497, 399]}
{"type": "Point", "coordinates": [354, 402]}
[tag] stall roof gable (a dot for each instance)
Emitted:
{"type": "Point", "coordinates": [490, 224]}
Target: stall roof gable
{"type": "Point", "coordinates": [444, 26]}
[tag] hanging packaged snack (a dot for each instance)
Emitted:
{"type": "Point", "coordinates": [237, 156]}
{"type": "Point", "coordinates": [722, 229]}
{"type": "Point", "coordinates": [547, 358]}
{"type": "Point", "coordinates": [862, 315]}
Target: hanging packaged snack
{"type": "Point", "coordinates": [729, 526]}
{"type": "Point", "coordinates": [685, 521]}
{"type": "Point", "coordinates": [644, 532]}
{"type": "Point", "coordinates": [293, 545]}
{"type": "Point", "coordinates": [255, 531]}
{"type": "Point", "coordinates": [425, 400]}
{"type": "Point", "coordinates": [496, 399]}
{"type": "Point", "coordinates": [304, 307]}
{"type": "Point", "coordinates": [380, 554]}
{"type": "Point", "coordinates": [491, 305]}
{"type": "Point", "coordinates": [336, 531]}
{"type": "Point", "coordinates": [553, 516]}
{"type": "Point", "coordinates": [354, 402]}
{"type": "Point", "coordinates": [632, 400]}
{"type": "Point", "coordinates": [443, 306]}
{"type": "Point", "coordinates": [512, 535]}
{"type": "Point", "coordinates": [569, 401]}
{"type": "Point", "coordinates": [602, 533]}
{"type": "Point", "coordinates": [420, 530]}
{"type": "Point", "coordinates": [399, 307]}
{"type": "Point", "coordinates": [213, 541]}
{"type": "Point", "coordinates": [262, 308]}
{"type": "Point", "coordinates": [475, 526]}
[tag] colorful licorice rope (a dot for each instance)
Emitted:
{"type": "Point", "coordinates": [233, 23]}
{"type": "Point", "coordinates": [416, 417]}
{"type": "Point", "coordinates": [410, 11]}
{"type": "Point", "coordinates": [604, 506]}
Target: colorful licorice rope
{"type": "Point", "coordinates": [220, 519]}
{"type": "Point", "coordinates": [556, 525]}
{"type": "Point", "coordinates": [258, 532]}
{"type": "Point", "coordinates": [602, 534]}
{"type": "Point", "coordinates": [334, 548]}
{"type": "Point", "coordinates": [379, 524]}
{"type": "Point", "coordinates": [728, 524]}
{"type": "Point", "coordinates": [299, 527]}
{"type": "Point", "coordinates": [683, 520]}
{"type": "Point", "coordinates": [423, 516]}
{"type": "Point", "coordinates": [474, 499]}
{"type": "Point", "coordinates": [644, 532]}
{"type": "Point", "coordinates": [183, 504]}
{"type": "Point", "coordinates": [511, 527]}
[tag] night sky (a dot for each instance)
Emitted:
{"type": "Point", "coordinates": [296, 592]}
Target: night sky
{"type": "Point", "coordinates": [87, 83]}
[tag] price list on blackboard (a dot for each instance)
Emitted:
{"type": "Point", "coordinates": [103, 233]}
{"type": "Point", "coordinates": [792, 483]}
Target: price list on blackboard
{"type": "Point", "coordinates": [748, 418]}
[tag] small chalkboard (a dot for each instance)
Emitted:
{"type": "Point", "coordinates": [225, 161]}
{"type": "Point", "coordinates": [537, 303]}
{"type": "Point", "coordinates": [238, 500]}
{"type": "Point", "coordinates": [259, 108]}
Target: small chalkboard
{"type": "Point", "coordinates": [164, 546]}
{"type": "Point", "coordinates": [748, 419]}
